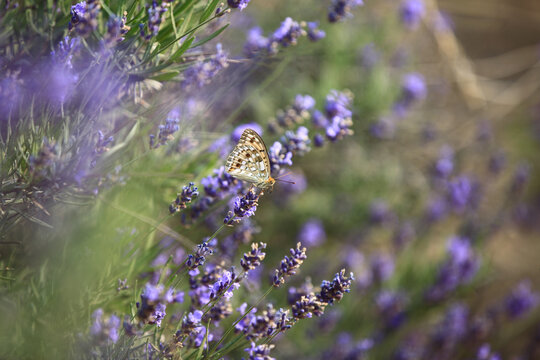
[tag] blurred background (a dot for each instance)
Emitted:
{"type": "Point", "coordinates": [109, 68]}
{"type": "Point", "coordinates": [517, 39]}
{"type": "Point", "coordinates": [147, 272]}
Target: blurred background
{"type": "Point", "coordinates": [432, 201]}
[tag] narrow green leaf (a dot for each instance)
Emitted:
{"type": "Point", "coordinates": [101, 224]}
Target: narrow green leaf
{"type": "Point", "coordinates": [182, 49]}
{"type": "Point", "coordinates": [216, 33]}
{"type": "Point", "coordinates": [209, 10]}
{"type": "Point", "coordinates": [166, 76]}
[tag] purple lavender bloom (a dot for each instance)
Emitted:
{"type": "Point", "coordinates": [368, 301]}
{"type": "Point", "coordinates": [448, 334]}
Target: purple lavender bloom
{"type": "Point", "coordinates": [198, 259]}
{"type": "Point", "coordinates": [279, 156]}
{"type": "Point", "coordinates": [319, 120]}
{"type": "Point", "coordinates": [413, 89]}
{"type": "Point", "coordinates": [463, 193]}
{"type": "Point", "coordinates": [289, 265]}
{"type": "Point", "coordinates": [239, 130]}
{"type": "Point", "coordinates": [103, 331]}
{"type": "Point", "coordinates": [238, 4]}
{"type": "Point", "coordinates": [521, 300]}
{"type": "Point", "coordinates": [382, 267]}
{"type": "Point", "coordinates": [340, 9]}
{"type": "Point", "coordinates": [155, 15]}
{"type": "Point", "coordinates": [339, 115]}
{"type": "Point", "coordinates": [253, 258]}
{"type": "Point", "coordinates": [485, 353]}
{"type": "Point", "coordinates": [313, 31]}
{"type": "Point", "coordinates": [260, 352]}
{"type": "Point", "coordinates": [318, 140]}
{"type": "Point", "coordinates": [297, 143]}
{"type": "Point", "coordinates": [255, 41]}
{"type": "Point", "coordinates": [303, 103]}
{"type": "Point", "coordinates": [84, 17]}
{"type": "Point", "coordinates": [445, 163]}
{"type": "Point", "coordinates": [312, 233]}
{"type": "Point", "coordinates": [436, 210]}
{"type": "Point", "coordinates": [451, 330]}
{"type": "Point", "coordinates": [204, 70]}
{"type": "Point", "coordinates": [244, 207]}
{"type": "Point", "coordinates": [167, 131]}
{"type": "Point", "coordinates": [459, 268]}
{"type": "Point", "coordinates": [224, 285]}
{"type": "Point", "coordinates": [287, 34]}
{"type": "Point", "coordinates": [411, 13]}
{"type": "Point", "coordinates": [188, 193]}
{"type": "Point", "coordinates": [391, 307]}
{"type": "Point", "coordinates": [191, 323]}
{"type": "Point", "coordinates": [333, 291]}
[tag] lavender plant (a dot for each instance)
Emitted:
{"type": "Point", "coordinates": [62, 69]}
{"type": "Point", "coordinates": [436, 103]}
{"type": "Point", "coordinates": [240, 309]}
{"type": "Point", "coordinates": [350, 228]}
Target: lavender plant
{"type": "Point", "coordinates": [122, 235]}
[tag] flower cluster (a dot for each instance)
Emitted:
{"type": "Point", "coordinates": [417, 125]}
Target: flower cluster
{"type": "Point", "coordinates": [103, 331]}
{"type": "Point", "coordinates": [244, 207]}
{"type": "Point", "coordinates": [341, 9]}
{"type": "Point", "coordinates": [336, 119]}
{"type": "Point", "coordinates": [413, 90]}
{"type": "Point", "coordinates": [166, 131]}
{"type": "Point", "coordinates": [238, 4]}
{"type": "Point", "coordinates": [198, 259]}
{"type": "Point", "coordinates": [286, 35]}
{"type": "Point", "coordinates": [411, 13]}
{"type": "Point", "coordinates": [84, 17]}
{"type": "Point", "coordinates": [188, 193]}
{"type": "Point", "coordinates": [294, 115]}
{"type": "Point", "coordinates": [155, 16]}
{"type": "Point", "coordinates": [116, 29]}
{"type": "Point", "coordinates": [521, 300]}
{"type": "Point", "coordinates": [205, 69]}
{"type": "Point", "coordinates": [253, 258]}
{"type": "Point", "coordinates": [154, 300]}
{"type": "Point", "coordinates": [460, 268]}
{"type": "Point", "coordinates": [260, 352]}
{"type": "Point", "coordinates": [268, 322]}
{"type": "Point", "coordinates": [289, 265]}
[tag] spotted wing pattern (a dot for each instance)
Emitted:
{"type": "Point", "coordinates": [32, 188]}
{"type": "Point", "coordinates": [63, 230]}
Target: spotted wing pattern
{"type": "Point", "coordinates": [249, 159]}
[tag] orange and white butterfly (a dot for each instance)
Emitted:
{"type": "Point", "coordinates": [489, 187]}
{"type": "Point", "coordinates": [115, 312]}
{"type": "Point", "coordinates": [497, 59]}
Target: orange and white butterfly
{"type": "Point", "coordinates": [249, 161]}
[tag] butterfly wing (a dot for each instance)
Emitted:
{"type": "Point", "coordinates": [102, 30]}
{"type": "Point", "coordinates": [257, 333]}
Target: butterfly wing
{"type": "Point", "coordinates": [249, 159]}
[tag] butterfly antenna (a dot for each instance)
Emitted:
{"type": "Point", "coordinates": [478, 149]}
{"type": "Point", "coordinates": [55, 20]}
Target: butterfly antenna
{"type": "Point", "coordinates": [285, 181]}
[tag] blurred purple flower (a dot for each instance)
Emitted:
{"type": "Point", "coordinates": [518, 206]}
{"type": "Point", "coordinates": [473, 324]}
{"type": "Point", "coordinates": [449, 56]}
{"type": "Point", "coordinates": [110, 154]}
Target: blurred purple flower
{"type": "Point", "coordinates": [313, 31]}
{"type": "Point", "coordinates": [459, 268]}
{"type": "Point", "coordinates": [103, 331]}
{"type": "Point", "coordinates": [463, 193]}
{"type": "Point", "coordinates": [445, 162]}
{"type": "Point", "coordinates": [411, 13]}
{"type": "Point", "coordinates": [238, 4]}
{"type": "Point", "coordinates": [237, 132]}
{"type": "Point", "coordinates": [521, 300]}
{"type": "Point", "coordinates": [382, 267]}
{"type": "Point", "coordinates": [391, 307]}
{"type": "Point", "coordinates": [205, 69]}
{"type": "Point", "coordinates": [340, 9]}
{"type": "Point", "coordinates": [485, 353]}
{"type": "Point", "coordinates": [259, 352]}
{"type": "Point", "coordinates": [413, 89]}
{"type": "Point", "coordinates": [312, 233]}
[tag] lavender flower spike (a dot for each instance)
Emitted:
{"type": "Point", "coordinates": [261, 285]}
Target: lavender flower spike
{"type": "Point", "coordinates": [243, 207]}
{"type": "Point", "coordinates": [253, 258]}
{"type": "Point", "coordinates": [289, 265]}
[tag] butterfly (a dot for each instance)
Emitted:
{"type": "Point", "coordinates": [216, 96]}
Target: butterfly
{"type": "Point", "coordinates": [249, 161]}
